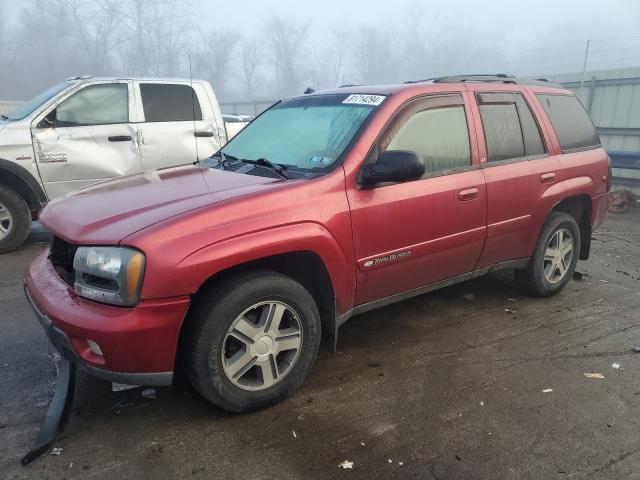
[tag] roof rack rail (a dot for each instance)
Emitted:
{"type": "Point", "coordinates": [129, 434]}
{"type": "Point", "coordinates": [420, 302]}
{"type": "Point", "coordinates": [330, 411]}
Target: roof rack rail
{"type": "Point", "coordinates": [499, 77]}
{"type": "Point", "coordinates": [495, 78]}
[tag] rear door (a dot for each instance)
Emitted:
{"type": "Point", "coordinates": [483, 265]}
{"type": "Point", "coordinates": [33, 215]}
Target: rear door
{"type": "Point", "coordinates": [86, 138]}
{"type": "Point", "coordinates": [517, 168]}
{"type": "Point", "coordinates": [412, 234]}
{"type": "Point", "coordinates": [173, 128]}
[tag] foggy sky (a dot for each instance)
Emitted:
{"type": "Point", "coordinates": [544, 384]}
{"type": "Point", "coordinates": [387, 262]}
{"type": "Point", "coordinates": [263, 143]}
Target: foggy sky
{"type": "Point", "coordinates": [523, 38]}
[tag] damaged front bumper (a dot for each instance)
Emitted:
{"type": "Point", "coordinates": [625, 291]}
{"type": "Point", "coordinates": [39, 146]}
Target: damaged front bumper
{"type": "Point", "coordinates": [61, 342]}
{"type": "Point", "coordinates": [132, 345]}
{"type": "Point", "coordinates": [59, 409]}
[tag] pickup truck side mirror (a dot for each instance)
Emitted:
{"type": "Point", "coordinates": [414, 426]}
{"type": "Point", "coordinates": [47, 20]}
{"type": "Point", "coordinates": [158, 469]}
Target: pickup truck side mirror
{"type": "Point", "coordinates": [49, 121]}
{"type": "Point", "coordinates": [394, 166]}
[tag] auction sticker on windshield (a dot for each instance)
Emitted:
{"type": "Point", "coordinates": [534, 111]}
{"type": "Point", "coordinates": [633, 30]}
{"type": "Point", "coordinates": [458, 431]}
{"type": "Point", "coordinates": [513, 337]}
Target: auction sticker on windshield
{"type": "Point", "coordinates": [361, 99]}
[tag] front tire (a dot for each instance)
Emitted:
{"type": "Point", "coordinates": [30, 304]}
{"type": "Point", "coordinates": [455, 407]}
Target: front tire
{"type": "Point", "coordinates": [15, 220]}
{"type": "Point", "coordinates": [251, 341]}
{"type": "Point", "coordinates": [555, 257]}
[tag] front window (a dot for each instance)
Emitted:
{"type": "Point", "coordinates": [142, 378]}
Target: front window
{"type": "Point", "coordinates": [305, 135]}
{"type": "Point", "coordinates": [26, 109]}
{"type": "Point", "coordinates": [95, 105]}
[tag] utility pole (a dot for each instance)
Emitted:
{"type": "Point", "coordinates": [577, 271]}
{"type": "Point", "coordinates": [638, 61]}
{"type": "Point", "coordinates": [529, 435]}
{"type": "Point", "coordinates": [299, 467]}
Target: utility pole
{"type": "Point", "coordinates": [584, 65]}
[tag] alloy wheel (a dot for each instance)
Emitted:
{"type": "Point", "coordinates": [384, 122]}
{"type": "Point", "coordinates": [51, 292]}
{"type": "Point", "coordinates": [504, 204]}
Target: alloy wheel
{"type": "Point", "coordinates": [558, 256]}
{"type": "Point", "coordinates": [262, 345]}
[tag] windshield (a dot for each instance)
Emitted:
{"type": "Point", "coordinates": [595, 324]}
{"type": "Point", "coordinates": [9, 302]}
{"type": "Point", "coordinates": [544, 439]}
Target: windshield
{"type": "Point", "coordinates": [26, 108]}
{"type": "Point", "coordinates": [305, 133]}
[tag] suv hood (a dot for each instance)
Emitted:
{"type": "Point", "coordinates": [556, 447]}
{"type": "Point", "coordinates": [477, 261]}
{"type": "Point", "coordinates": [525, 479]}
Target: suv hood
{"type": "Point", "coordinates": [107, 212]}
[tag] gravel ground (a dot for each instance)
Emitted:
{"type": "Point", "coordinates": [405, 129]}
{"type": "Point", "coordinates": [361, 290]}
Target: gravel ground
{"type": "Point", "coordinates": [475, 381]}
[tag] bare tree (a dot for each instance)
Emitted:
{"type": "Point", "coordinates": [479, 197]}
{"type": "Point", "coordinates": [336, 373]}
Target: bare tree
{"type": "Point", "coordinates": [5, 54]}
{"type": "Point", "coordinates": [154, 34]}
{"type": "Point", "coordinates": [332, 61]}
{"type": "Point", "coordinates": [39, 39]}
{"type": "Point", "coordinates": [93, 25]}
{"type": "Point", "coordinates": [217, 57]}
{"type": "Point", "coordinates": [286, 41]}
{"type": "Point", "coordinates": [420, 48]}
{"type": "Point", "coordinates": [252, 56]}
{"type": "Point", "coordinates": [373, 54]}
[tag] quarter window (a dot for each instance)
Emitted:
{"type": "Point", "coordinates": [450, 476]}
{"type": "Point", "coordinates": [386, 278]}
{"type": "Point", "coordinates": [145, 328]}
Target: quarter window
{"type": "Point", "coordinates": [510, 130]}
{"type": "Point", "coordinates": [95, 105]}
{"type": "Point", "coordinates": [169, 103]}
{"type": "Point", "coordinates": [439, 135]}
{"type": "Point", "coordinates": [570, 121]}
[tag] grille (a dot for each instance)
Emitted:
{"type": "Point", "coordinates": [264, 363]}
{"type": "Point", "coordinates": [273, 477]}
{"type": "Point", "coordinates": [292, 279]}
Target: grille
{"type": "Point", "coordinates": [61, 254]}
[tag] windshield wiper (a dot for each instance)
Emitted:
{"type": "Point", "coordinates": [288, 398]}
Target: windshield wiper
{"type": "Point", "coordinates": [280, 170]}
{"type": "Point", "coordinates": [225, 159]}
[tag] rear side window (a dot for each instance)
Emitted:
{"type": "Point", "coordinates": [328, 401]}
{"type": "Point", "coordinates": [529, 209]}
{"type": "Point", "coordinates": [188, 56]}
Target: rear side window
{"type": "Point", "coordinates": [510, 130]}
{"type": "Point", "coordinates": [570, 121]}
{"type": "Point", "coordinates": [169, 103]}
{"type": "Point", "coordinates": [436, 129]}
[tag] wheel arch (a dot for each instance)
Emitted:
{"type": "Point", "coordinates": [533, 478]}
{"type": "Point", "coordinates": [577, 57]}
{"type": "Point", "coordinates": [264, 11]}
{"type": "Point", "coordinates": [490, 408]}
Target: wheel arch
{"type": "Point", "coordinates": [23, 183]}
{"type": "Point", "coordinates": [304, 266]}
{"type": "Point", "coordinates": [579, 207]}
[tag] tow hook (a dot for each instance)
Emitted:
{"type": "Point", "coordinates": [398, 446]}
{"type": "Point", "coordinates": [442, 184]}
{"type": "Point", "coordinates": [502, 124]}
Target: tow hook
{"type": "Point", "coordinates": [59, 408]}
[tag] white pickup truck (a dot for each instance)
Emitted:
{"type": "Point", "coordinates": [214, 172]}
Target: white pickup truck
{"type": "Point", "coordinates": [88, 129]}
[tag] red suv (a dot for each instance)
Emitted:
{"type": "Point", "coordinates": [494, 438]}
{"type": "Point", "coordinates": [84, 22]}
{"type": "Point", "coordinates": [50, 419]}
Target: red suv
{"type": "Point", "coordinates": [327, 205]}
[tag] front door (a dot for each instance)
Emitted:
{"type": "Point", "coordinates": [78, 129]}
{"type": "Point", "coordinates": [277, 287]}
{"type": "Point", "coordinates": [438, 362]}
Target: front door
{"type": "Point", "coordinates": [86, 138]}
{"type": "Point", "coordinates": [409, 235]}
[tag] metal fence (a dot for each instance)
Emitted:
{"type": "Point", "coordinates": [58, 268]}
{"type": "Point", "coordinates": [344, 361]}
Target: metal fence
{"type": "Point", "coordinates": [612, 98]}
{"type": "Point", "coordinates": [254, 107]}
{"type": "Point", "coordinates": [7, 107]}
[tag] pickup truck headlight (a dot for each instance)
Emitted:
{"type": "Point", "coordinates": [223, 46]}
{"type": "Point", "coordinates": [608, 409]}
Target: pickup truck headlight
{"type": "Point", "coordinates": [109, 274]}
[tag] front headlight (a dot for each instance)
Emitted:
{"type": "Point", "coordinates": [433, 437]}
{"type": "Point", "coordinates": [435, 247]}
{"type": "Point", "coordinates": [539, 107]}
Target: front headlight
{"type": "Point", "coordinates": [109, 274]}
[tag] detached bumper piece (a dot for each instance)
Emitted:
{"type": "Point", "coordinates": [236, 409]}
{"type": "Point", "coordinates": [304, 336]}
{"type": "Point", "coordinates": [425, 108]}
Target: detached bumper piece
{"type": "Point", "coordinates": [56, 419]}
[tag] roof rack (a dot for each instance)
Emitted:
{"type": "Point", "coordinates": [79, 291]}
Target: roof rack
{"type": "Point", "coordinates": [489, 78]}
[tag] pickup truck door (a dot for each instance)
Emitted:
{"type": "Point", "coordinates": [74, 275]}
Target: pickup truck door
{"type": "Point", "coordinates": [86, 138]}
{"type": "Point", "coordinates": [177, 124]}
{"type": "Point", "coordinates": [414, 234]}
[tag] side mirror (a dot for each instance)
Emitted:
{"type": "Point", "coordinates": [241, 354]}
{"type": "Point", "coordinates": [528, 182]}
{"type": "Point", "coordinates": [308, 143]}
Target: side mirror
{"type": "Point", "coordinates": [49, 121]}
{"type": "Point", "coordinates": [394, 166]}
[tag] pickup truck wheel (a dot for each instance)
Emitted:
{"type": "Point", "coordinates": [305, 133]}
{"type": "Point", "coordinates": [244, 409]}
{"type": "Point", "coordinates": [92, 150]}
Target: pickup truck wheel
{"type": "Point", "coordinates": [252, 342]}
{"type": "Point", "coordinates": [15, 220]}
{"type": "Point", "coordinates": [555, 257]}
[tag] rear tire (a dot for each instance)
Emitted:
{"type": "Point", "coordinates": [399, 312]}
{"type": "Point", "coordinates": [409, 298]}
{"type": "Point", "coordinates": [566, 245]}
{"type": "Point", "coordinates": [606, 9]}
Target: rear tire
{"type": "Point", "coordinates": [251, 341]}
{"type": "Point", "coordinates": [15, 220]}
{"type": "Point", "coordinates": [554, 259]}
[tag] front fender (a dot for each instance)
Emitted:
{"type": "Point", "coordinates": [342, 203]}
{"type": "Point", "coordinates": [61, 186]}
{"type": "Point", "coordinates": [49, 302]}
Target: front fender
{"type": "Point", "coordinates": [195, 269]}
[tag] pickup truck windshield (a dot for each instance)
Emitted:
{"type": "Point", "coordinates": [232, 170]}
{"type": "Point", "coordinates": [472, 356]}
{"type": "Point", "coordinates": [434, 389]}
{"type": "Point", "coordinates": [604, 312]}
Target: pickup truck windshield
{"type": "Point", "coordinates": [27, 108]}
{"type": "Point", "coordinates": [305, 133]}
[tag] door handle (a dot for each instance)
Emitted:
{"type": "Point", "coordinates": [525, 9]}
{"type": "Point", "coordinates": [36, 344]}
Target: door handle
{"type": "Point", "coordinates": [203, 134]}
{"type": "Point", "coordinates": [120, 138]}
{"type": "Point", "coordinates": [548, 177]}
{"type": "Point", "coordinates": [468, 194]}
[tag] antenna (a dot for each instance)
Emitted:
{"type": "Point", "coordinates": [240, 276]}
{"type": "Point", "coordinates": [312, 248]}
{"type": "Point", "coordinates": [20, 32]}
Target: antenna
{"type": "Point", "coordinates": [193, 110]}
